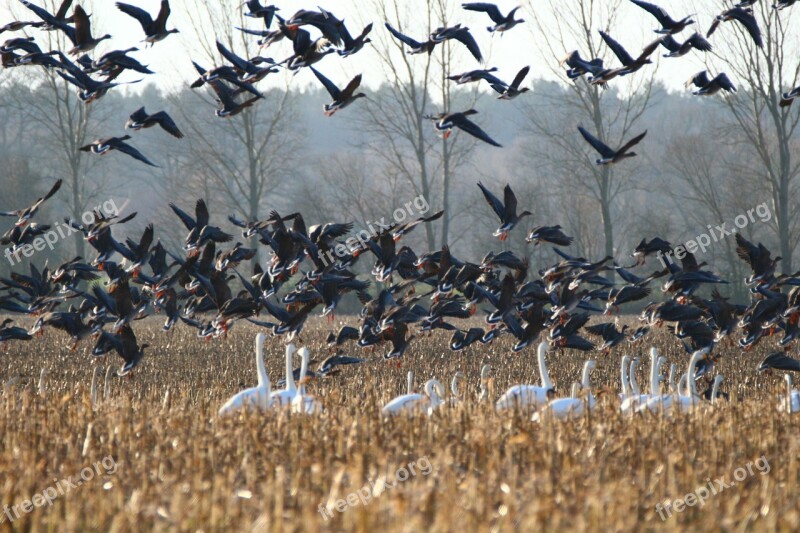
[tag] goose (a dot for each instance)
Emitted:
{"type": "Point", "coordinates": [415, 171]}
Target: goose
{"type": "Point", "coordinates": [58, 20]}
{"type": "Point", "coordinates": [154, 30]}
{"type": "Point", "coordinates": [445, 122]}
{"type": "Point", "coordinates": [509, 92]}
{"type": "Point", "coordinates": [284, 397]}
{"type": "Point", "coordinates": [84, 42]}
{"type": "Point", "coordinates": [501, 23]}
{"type": "Point", "coordinates": [669, 26]}
{"type": "Point", "coordinates": [250, 71]}
{"type": "Point", "coordinates": [256, 10]}
{"type": "Point", "coordinates": [104, 146]}
{"type": "Point", "coordinates": [564, 408]}
{"type": "Point", "coordinates": [415, 402]}
{"type": "Point", "coordinates": [791, 402]}
{"type": "Point", "coordinates": [416, 47]}
{"type": "Point", "coordinates": [609, 156]}
{"type": "Point", "coordinates": [460, 34]}
{"type": "Point", "coordinates": [26, 213]}
{"type": "Point", "coordinates": [351, 45]}
{"type": "Point", "coordinates": [506, 210]}
{"type": "Point", "coordinates": [677, 49]}
{"type": "Point", "coordinates": [551, 234]}
{"type": "Point", "coordinates": [783, 4]}
{"type": "Point", "coordinates": [778, 361]}
{"type": "Point", "coordinates": [341, 97]}
{"type": "Point", "coordinates": [745, 17]}
{"type": "Point", "coordinates": [140, 119]}
{"type": "Point", "coordinates": [258, 397]}
{"type": "Point", "coordinates": [475, 76]}
{"type": "Point", "coordinates": [708, 86]}
{"type": "Point", "coordinates": [529, 396]}
{"type": "Point", "coordinates": [788, 98]}
{"type": "Point", "coordinates": [302, 402]}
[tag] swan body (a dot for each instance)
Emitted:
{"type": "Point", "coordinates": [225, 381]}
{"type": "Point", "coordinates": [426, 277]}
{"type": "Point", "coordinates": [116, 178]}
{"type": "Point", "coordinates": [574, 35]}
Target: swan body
{"type": "Point", "coordinates": [572, 407]}
{"type": "Point", "coordinates": [529, 396]}
{"type": "Point", "coordinates": [285, 396]}
{"type": "Point", "coordinates": [791, 402]}
{"type": "Point", "coordinates": [416, 402]}
{"type": "Point", "coordinates": [257, 397]}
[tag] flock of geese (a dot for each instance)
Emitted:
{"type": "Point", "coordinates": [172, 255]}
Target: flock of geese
{"type": "Point", "coordinates": [311, 266]}
{"type": "Point", "coordinates": [234, 81]}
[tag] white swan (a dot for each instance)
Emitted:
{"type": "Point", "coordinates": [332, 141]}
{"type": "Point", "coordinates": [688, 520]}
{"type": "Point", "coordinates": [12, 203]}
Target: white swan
{"type": "Point", "coordinates": [529, 396]}
{"type": "Point", "coordinates": [637, 399]}
{"type": "Point", "coordinates": [284, 397]}
{"type": "Point", "coordinates": [673, 370]}
{"type": "Point", "coordinates": [791, 402]}
{"type": "Point", "coordinates": [573, 407]}
{"type": "Point", "coordinates": [684, 403]}
{"type": "Point", "coordinates": [256, 397]}
{"type": "Point", "coordinates": [415, 402]}
{"type": "Point", "coordinates": [303, 402]}
{"type": "Point", "coordinates": [455, 397]}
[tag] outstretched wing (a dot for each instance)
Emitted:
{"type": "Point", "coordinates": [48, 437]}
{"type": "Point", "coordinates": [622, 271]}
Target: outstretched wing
{"type": "Point", "coordinates": [493, 201]}
{"type": "Point", "coordinates": [622, 54]}
{"type": "Point", "coordinates": [597, 144]}
{"type": "Point", "coordinates": [485, 7]}
{"type": "Point", "coordinates": [633, 142]}
{"type": "Point", "coordinates": [126, 148]}
{"type": "Point", "coordinates": [474, 130]}
{"type": "Point", "coordinates": [403, 38]}
{"type": "Point", "coordinates": [139, 14]}
{"type": "Point", "coordinates": [332, 89]}
{"type": "Point", "coordinates": [519, 77]}
{"type": "Point", "coordinates": [465, 37]}
{"type": "Point", "coordinates": [658, 12]}
{"type": "Point", "coordinates": [166, 122]}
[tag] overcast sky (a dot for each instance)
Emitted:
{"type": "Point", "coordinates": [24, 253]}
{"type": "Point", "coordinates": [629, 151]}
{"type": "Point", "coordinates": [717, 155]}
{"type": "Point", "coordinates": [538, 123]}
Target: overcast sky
{"type": "Point", "coordinates": [171, 58]}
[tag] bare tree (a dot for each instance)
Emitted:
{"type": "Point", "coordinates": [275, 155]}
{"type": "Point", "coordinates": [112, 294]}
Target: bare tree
{"type": "Point", "coordinates": [245, 157]}
{"type": "Point", "coordinates": [765, 129]}
{"type": "Point", "coordinates": [611, 115]}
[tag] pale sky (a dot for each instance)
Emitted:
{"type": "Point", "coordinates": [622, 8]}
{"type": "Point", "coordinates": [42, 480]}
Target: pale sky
{"type": "Point", "coordinates": [171, 59]}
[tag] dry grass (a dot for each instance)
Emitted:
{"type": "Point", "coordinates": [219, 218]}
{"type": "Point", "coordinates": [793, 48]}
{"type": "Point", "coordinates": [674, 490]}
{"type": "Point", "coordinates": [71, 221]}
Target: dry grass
{"type": "Point", "coordinates": [180, 467]}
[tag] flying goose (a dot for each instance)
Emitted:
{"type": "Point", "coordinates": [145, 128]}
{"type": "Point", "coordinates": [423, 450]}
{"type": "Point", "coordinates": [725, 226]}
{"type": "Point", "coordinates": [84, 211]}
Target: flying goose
{"type": "Point", "coordinates": [745, 18]}
{"type": "Point", "coordinates": [677, 49]}
{"type": "Point", "coordinates": [669, 26]}
{"type": "Point", "coordinates": [104, 146]}
{"type": "Point", "coordinates": [140, 119]}
{"type": "Point", "coordinates": [610, 156]}
{"type": "Point", "coordinates": [25, 214]}
{"type": "Point", "coordinates": [416, 47]}
{"type": "Point", "coordinates": [445, 122]}
{"type": "Point", "coordinates": [509, 92]}
{"type": "Point", "coordinates": [84, 42]}
{"type": "Point", "coordinates": [154, 30]}
{"type": "Point", "coordinates": [505, 210]}
{"type": "Point", "coordinates": [460, 34]}
{"type": "Point", "coordinates": [341, 98]}
{"type": "Point", "coordinates": [501, 23]}
{"type": "Point", "coordinates": [58, 20]}
{"type": "Point", "coordinates": [708, 86]}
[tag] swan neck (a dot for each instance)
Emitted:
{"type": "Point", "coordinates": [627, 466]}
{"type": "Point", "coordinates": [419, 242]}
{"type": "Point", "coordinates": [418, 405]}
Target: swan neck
{"type": "Point", "coordinates": [543, 374]}
{"type": "Point", "coordinates": [625, 386]}
{"type": "Point", "coordinates": [262, 371]}
{"type": "Point", "coordinates": [632, 377]}
{"type": "Point", "coordinates": [289, 368]}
